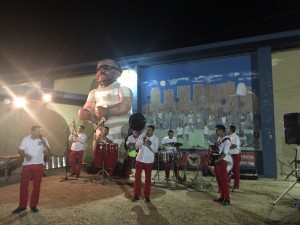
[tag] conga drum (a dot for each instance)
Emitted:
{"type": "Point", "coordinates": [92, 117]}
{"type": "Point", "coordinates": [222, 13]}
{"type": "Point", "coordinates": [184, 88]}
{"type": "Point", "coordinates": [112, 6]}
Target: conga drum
{"type": "Point", "coordinates": [111, 157]}
{"type": "Point", "coordinates": [99, 152]}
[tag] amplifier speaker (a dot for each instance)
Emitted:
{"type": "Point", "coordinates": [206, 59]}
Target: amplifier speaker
{"type": "Point", "coordinates": [292, 128]}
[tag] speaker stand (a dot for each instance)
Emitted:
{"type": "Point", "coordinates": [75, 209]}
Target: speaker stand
{"type": "Point", "coordinates": [296, 162]}
{"type": "Point", "coordinates": [296, 181]}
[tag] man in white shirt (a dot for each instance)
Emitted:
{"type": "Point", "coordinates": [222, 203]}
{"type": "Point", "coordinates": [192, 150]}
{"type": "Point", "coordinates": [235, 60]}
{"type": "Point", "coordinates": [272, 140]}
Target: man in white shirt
{"type": "Point", "coordinates": [77, 150]}
{"type": "Point", "coordinates": [32, 149]}
{"type": "Point", "coordinates": [170, 150]}
{"type": "Point", "coordinates": [235, 153]}
{"type": "Point", "coordinates": [148, 145]}
{"type": "Point", "coordinates": [220, 167]}
{"type": "Point", "coordinates": [131, 152]}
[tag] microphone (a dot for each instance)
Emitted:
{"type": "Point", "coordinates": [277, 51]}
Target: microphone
{"type": "Point", "coordinates": [42, 140]}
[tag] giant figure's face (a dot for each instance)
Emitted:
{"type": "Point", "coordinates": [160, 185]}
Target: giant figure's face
{"type": "Point", "coordinates": [108, 72]}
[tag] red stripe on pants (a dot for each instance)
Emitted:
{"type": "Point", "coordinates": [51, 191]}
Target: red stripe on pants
{"type": "Point", "coordinates": [220, 170]}
{"type": "Point", "coordinates": [139, 166]}
{"type": "Point", "coordinates": [34, 172]}
{"type": "Point", "coordinates": [72, 160]}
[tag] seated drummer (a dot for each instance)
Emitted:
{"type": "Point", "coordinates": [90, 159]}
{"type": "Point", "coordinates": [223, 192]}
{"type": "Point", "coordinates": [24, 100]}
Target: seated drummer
{"type": "Point", "coordinates": [104, 136]}
{"type": "Point", "coordinates": [167, 147]}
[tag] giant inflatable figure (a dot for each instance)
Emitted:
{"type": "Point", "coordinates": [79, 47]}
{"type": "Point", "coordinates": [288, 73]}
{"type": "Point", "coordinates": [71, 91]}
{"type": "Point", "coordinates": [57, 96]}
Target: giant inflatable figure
{"type": "Point", "coordinates": [109, 104]}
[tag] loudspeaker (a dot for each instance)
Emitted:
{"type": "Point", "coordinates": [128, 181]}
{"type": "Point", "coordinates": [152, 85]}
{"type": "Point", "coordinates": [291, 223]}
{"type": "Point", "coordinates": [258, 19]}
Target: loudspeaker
{"type": "Point", "coordinates": [292, 128]}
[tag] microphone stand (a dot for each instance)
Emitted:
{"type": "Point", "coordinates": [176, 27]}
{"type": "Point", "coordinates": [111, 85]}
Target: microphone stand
{"type": "Point", "coordinates": [67, 157]}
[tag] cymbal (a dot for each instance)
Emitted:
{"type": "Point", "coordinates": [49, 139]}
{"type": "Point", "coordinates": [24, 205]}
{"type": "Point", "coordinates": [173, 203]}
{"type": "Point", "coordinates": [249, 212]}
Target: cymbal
{"type": "Point", "coordinates": [173, 144]}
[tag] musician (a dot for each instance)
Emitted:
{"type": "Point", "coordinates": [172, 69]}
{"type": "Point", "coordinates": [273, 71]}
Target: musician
{"type": "Point", "coordinates": [171, 150]}
{"type": "Point", "coordinates": [104, 136]}
{"type": "Point", "coordinates": [131, 152]}
{"type": "Point", "coordinates": [32, 149]}
{"type": "Point", "coordinates": [77, 149]}
{"type": "Point", "coordinates": [235, 153]}
{"type": "Point", "coordinates": [220, 167]}
{"type": "Point", "coordinates": [148, 145]}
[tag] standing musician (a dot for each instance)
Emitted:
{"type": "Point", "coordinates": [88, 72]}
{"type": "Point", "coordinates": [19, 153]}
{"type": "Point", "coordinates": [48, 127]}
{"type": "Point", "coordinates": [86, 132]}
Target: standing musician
{"type": "Point", "coordinates": [132, 152]}
{"type": "Point", "coordinates": [235, 153]}
{"type": "Point", "coordinates": [32, 150]}
{"type": "Point", "coordinates": [77, 150]}
{"type": "Point", "coordinates": [171, 150]}
{"type": "Point", "coordinates": [148, 145]}
{"type": "Point", "coordinates": [104, 136]}
{"type": "Point", "coordinates": [220, 167]}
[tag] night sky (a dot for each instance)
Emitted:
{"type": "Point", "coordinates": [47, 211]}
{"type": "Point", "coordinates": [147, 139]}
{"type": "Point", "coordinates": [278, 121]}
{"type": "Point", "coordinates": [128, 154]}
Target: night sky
{"type": "Point", "coordinates": [39, 35]}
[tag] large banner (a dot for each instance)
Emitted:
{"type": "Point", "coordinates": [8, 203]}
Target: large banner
{"type": "Point", "coordinates": [192, 97]}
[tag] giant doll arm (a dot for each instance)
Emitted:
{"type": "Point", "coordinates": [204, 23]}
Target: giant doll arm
{"type": "Point", "coordinates": [87, 112]}
{"type": "Point", "coordinates": [119, 109]}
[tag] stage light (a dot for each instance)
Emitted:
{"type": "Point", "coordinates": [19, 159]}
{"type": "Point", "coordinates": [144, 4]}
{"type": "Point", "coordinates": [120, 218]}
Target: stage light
{"type": "Point", "coordinates": [20, 102]}
{"type": "Point", "coordinates": [47, 97]}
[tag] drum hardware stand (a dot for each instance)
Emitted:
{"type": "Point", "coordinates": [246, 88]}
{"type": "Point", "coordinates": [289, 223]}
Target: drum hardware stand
{"type": "Point", "coordinates": [103, 171]}
{"type": "Point", "coordinates": [198, 179]}
{"type": "Point", "coordinates": [298, 178]}
{"type": "Point", "coordinates": [157, 172]}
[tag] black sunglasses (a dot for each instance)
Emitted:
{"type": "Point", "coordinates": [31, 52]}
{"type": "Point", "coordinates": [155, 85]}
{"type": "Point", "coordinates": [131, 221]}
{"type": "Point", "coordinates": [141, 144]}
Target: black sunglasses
{"type": "Point", "coordinates": [107, 68]}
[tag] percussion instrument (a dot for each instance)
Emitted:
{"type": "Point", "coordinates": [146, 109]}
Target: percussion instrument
{"type": "Point", "coordinates": [213, 154]}
{"type": "Point", "coordinates": [172, 144]}
{"type": "Point", "coordinates": [164, 156]}
{"type": "Point", "coordinates": [106, 154]}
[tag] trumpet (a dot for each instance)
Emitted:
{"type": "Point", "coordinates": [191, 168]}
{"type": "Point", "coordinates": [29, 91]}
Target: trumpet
{"type": "Point", "coordinates": [73, 129]}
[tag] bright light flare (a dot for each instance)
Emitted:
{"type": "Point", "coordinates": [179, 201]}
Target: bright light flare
{"type": "Point", "coordinates": [47, 97]}
{"type": "Point", "coordinates": [20, 102]}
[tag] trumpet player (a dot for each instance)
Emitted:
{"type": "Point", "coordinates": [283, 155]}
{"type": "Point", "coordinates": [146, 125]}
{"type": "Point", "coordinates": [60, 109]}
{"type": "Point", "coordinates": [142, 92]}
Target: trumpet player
{"type": "Point", "coordinates": [77, 149]}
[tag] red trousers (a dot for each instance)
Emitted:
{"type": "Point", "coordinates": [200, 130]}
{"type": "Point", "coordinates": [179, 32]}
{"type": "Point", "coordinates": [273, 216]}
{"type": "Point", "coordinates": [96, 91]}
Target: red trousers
{"type": "Point", "coordinates": [72, 161]}
{"type": "Point", "coordinates": [236, 168]}
{"type": "Point", "coordinates": [139, 166]}
{"type": "Point", "coordinates": [128, 165]}
{"type": "Point", "coordinates": [220, 170]}
{"type": "Point", "coordinates": [34, 172]}
{"type": "Point", "coordinates": [168, 168]}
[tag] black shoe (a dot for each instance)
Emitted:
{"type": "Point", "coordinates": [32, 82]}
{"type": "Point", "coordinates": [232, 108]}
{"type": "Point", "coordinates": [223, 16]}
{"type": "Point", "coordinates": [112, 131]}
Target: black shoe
{"type": "Point", "coordinates": [34, 209]}
{"type": "Point", "coordinates": [218, 199]}
{"type": "Point", "coordinates": [135, 199]}
{"type": "Point", "coordinates": [225, 202]}
{"type": "Point", "coordinates": [73, 174]}
{"type": "Point", "coordinates": [18, 210]}
{"type": "Point", "coordinates": [147, 199]}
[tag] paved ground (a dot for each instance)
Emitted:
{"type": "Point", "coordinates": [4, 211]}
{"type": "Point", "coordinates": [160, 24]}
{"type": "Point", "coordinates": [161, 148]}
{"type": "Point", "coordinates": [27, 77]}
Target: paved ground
{"type": "Point", "coordinates": [84, 202]}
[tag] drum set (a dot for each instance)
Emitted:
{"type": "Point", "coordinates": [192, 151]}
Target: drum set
{"type": "Point", "coordinates": [191, 164]}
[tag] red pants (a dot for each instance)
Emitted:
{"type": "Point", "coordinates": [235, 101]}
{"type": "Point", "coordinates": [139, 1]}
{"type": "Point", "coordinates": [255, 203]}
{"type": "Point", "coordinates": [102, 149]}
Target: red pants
{"type": "Point", "coordinates": [222, 179]}
{"type": "Point", "coordinates": [128, 165]}
{"type": "Point", "coordinates": [168, 168]}
{"type": "Point", "coordinates": [236, 169]}
{"type": "Point", "coordinates": [34, 172]}
{"type": "Point", "coordinates": [139, 166]}
{"type": "Point", "coordinates": [72, 161]}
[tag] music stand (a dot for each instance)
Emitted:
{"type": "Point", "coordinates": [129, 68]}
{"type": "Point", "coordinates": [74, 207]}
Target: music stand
{"type": "Point", "coordinates": [67, 157]}
{"type": "Point", "coordinates": [296, 181]}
